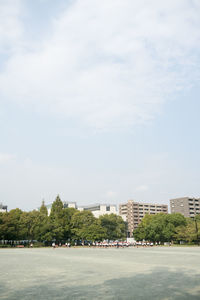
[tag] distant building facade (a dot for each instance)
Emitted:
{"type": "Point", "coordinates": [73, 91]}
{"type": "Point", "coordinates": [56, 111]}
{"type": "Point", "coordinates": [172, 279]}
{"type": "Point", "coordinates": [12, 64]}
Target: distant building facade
{"type": "Point", "coordinates": [100, 209]}
{"type": "Point", "coordinates": [67, 204]}
{"type": "Point", "coordinates": [135, 211]}
{"type": "Point", "coordinates": [3, 208]}
{"type": "Point", "coordinates": [187, 206]}
{"type": "Point", "coordinates": [96, 209]}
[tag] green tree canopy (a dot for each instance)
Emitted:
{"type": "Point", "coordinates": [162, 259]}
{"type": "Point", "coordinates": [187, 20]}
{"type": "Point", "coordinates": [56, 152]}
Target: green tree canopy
{"type": "Point", "coordinates": [57, 222]}
{"type": "Point", "coordinates": [80, 223]}
{"type": "Point", "coordinates": [43, 209]}
{"type": "Point", "coordinates": [189, 232]}
{"type": "Point", "coordinates": [57, 209]}
{"type": "Point", "coordinates": [10, 225]}
{"type": "Point", "coordinates": [159, 228]}
{"type": "Point", "coordinates": [114, 226]}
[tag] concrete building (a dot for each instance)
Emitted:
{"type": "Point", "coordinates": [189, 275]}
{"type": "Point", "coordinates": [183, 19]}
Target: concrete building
{"type": "Point", "coordinates": [67, 204]}
{"type": "Point", "coordinates": [135, 211]}
{"type": "Point", "coordinates": [187, 206]}
{"type": "Point", "coordinates": [100, 209]}
{"type": "Point", "coordinates": [3, 208]}
{"type": "Point", "coordinates": [96, 209]}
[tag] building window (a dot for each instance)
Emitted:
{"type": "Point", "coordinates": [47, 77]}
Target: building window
{"type": "Point", "coordinates": [108, 208]}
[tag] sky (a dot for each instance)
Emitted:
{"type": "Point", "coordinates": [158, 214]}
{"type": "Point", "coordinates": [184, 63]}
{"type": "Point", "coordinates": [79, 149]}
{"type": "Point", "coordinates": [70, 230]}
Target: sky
{"type": "Point", "coordinates": [99, 101]}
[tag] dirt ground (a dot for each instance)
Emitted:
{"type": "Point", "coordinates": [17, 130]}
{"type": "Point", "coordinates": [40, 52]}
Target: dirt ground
{"type": "Point", "coordinates": [129, 273]}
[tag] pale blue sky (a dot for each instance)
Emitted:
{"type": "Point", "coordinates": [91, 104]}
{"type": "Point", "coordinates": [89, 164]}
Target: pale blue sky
{"type": "Point", "coordinates": [99, 101]}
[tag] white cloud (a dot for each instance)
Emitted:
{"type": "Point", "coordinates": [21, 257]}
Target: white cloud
{"type": "Point", "coordinates": [25, 182]}
{"type": "Point", "coordinates": [107, 63]}
{"type": "Point", "coordinates": [111, 194]}
{"type": "Point", "coordinates": [11, 29]}
{"type": "Point", "coordinates": [142, 188]}
{"type": "Point", "coordinates": [5, 157]}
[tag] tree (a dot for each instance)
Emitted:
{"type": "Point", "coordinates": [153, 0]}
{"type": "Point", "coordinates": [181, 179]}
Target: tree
{"type": "Point", "coordinates": [176, 219]}
{"type": "Point", "coordinates": [86, 227]}
{"type": "Point", "coordinates": [95, 232]}
{"type": "Point", "coordinates": [80, 222]}
{"type": "Point", "coordinates": [159, 228]}
{"type": "Point", "coordinates": [43, 209]}
{"type": "Point", "coordinates": [10, 225]}
{"type": "Point", "coordinates": [29, 224]}
{"type": "Point", "coordinates": [57, 220]}
{"type": "Point", "coordinates": [114, 226]}
{"type": "Point", "coordinates": [140, 233]}
{"type": "Point", "coordinates": [68, 214]}
{"type": "Point", "coordinates": [189, 232]}
{"type": "Point", "coordinates": [57, 209]}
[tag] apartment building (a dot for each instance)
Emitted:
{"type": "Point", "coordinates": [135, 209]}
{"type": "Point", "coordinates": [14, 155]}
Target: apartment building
{"type": "Point", "coordinates": [3, 208]}
{"type": "Point", "coordinates": [135, 211]}
{"type": "Point", "coordinates": [187, 206]}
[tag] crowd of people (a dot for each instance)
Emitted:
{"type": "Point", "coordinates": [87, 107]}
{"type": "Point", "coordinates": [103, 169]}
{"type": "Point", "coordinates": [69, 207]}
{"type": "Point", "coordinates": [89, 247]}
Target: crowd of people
{"type": "Point", "coordinates": [120, 244]}
{"type": "Point", "coordinates": [106, 244]}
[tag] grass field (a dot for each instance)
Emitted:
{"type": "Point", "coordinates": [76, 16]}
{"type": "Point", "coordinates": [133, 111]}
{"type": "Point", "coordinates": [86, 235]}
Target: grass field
{"type": "Point", "coordinates": [130, 273]}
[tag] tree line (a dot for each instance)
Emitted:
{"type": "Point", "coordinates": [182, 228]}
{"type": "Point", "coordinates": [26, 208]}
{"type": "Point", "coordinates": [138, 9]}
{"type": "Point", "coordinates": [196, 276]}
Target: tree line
{"type": "Point", "coordinates": [70, 224]}
{"type": "Point", "coordinates": [168, 228]}
{"type": "Point", "coordinates": [63, 224]}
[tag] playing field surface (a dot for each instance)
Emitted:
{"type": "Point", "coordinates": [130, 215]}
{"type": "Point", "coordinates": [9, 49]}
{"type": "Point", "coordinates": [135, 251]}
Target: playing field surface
{"type": "Point", "coordinates": [129, 273]}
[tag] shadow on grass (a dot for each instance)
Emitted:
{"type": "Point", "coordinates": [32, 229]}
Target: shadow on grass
{"type": "Point", "coordinates": [159, 284]}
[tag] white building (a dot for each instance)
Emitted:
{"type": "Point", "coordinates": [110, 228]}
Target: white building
{"type": "Point", "coordinates": [100, 209]}
{"type": "Point", "coordinates": [3, 208]}
{"type": "Point", "coordinates": [67, 204]}
{"type": "Point", "coordinates": [96, 209]}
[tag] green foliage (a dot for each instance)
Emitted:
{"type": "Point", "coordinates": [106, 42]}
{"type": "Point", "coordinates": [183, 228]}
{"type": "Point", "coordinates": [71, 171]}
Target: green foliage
{"type": "Point", "coordinates": [114, 226]}
{"type": "Point", "coordinates": [28, 224]}
{"type": "Point", "coordinates": [57, 209]}
{"type": "Point", "coordinates": [190, 232]}
{"type": "Point", "coordinates": [10, 225]}
{"type": "Point", "coordinates": [160, 227]}
{"type": "Point", "coordinates": [81, 223]}
{"type": "Point", "coordinates": [95, 232]}
{"type": "Point", "coordinates": [57, 221]}
{"type": "Point", "coordinates": [69, 223]}
{"type": "Point", "coordinates": [43, 209]}
{"type": "Point", "coordinates": [62, 224]}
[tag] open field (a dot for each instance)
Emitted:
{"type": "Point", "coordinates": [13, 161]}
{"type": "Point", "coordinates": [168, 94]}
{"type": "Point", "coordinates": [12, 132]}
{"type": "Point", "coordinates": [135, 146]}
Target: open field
{"type": "Point", "coordinates": [130, 273]}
